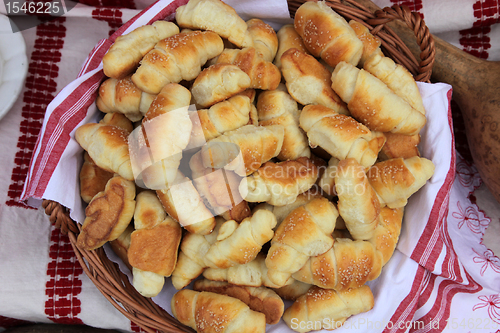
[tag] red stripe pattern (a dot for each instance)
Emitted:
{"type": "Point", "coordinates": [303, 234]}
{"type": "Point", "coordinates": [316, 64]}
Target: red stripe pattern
{"type": "Point", "coordinates": [41, 88]}
{"type": "Point", "coordinates": [62, 305]}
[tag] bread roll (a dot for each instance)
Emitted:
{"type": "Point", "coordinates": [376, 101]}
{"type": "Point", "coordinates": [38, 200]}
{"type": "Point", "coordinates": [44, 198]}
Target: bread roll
{"type": "Point", "coordinates": [217, 83]}
{"type": "Point", "coordinates": [252, 274]}
{"type": "Point", "coordinates": [397, 78]}
{"type": "Point", "coordinates": [309, 82]}
{"type": "Point", "coordinates": [119, 120]}
{"type": "Point", "coordinates": [373, 103]}
{"type": "Point", "coordinates": [327, 309]}
{"type": "Point", "coordinates": [220, 118]}
{"type": "Point", "coordinates": [263, 74]}
{"type": "Point", "coordinates": [340, 135]}
{"type": "Point", "coordinates": [400, 145]}
{"type": "Point", "coordinates": [220, 190]}
{"type": "Point", "coordinates": [280, 183]}
{"type": "Point", "coordinates": [264, 38]}
{"type": "Point", "coordinates": [245, 149]}
{"type": "Point", "coordinates": [183, 203]}
{"type": "Point", "coordinates": [240, 243]}
{"type": "Point", "coordinates": [107, 145]}
{"type": "Point", "coordinates": [125, 97]}
{"type": "Point", "coordinates": [259, 299]}
{"type": "Point", "coordinates": [108, 214]}
{"type": "Point", "coordinates": [395, 180]}
{"type": "Point", "coordinates": [351, 263]}
{"type": "Point", "coordinates": [358, 203]}
{"type": "Point", "coordinates": [288, 38]}
{"type": "Point", "coordinates": [210, 312]}
{"type": "Point", "coordinates": [371, 44]}
{"type": "Point", "coordinates": [166, 128]}
{"type": "Point", "coordinates": [127, 51]}
{"type": "Point", "coordinates": [176, 58]}
{"type": "Point", "coordinates": [326, 34]}
{"type": "Point", "coordinates": [305, 232]}
{"type": "Point", "coordinates": [92, 178]}
{"type": "Point", "coordinates": [293, 291]}
{"type": "Point", "coordinates": [216, 16]}
{"type": "Point", "coordinates": [277, 107]}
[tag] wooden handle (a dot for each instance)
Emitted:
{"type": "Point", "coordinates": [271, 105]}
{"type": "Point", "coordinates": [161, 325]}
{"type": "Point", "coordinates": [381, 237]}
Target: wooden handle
{"type": "Point", "coordinates": [476, 87]}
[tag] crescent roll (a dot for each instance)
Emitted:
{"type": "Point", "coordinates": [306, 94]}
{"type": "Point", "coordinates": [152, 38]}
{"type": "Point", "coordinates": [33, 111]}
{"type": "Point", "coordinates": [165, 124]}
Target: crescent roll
{"type": "Point", "coordinates": [264, 38]}
{"type": "Point", "coordinates": [288, 38]}
{"type": "Point", "coordinates": [127, 51]}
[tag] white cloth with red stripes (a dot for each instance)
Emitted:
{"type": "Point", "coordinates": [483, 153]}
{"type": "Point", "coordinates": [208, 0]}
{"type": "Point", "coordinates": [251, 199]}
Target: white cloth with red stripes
{"type": "Point", "coordinates": [441, 277]}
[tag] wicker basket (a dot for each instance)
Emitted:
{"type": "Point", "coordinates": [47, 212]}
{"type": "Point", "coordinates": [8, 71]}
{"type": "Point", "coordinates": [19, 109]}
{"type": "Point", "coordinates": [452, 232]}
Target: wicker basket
{"type": "Point", "coordinates": [115, 285]}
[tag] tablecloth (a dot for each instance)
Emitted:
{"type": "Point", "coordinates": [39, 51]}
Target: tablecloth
{"type": "Point", "coordinates": [457, 284]}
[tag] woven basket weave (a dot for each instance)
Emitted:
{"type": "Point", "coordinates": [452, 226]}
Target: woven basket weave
{"type": "Point", "coordinates": [115, 285]}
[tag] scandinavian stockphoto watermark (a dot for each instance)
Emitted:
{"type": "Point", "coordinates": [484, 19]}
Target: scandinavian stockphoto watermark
{"type": "Point", "coordinates": [26, 14]}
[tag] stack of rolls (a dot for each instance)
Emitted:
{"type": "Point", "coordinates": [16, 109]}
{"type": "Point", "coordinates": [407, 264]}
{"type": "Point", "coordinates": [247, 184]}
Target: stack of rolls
{"type": "Point", "coordinates": [247, 167]}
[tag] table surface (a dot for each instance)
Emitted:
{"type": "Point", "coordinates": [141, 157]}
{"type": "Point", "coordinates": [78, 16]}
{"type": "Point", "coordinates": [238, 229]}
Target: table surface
{"type": "Point", "coordinates": [44, 282]}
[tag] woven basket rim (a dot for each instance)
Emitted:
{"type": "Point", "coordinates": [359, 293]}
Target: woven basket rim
{"type": "Point", "coordinates": [115, 285]}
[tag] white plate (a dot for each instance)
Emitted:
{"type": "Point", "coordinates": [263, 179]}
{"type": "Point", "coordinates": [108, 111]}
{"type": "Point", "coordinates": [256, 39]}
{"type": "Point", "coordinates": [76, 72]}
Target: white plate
{"type": "Point", "coordinates": [13, 65]}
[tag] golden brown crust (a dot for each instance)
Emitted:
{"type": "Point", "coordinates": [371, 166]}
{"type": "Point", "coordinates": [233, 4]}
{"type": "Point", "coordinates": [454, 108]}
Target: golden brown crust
{"type": "Point", "coordinates": [263, 74]}
{"type": "Point", "coordinates": [264, 38]}
{"type": "Point", "coordinates": [371, 44]}
{"type": "Point", "coordinates": [155, 249]}
{"type": "Point", "coordinates": [288, 38]}
{"type": "Point", "coordinates": [92, 178]}
{"type": "Point", "coordinates": [259, 299]}
{"type": "Point", "coordinates": [326, 34]}
{"type": "Point", "coordinates": [308, 81]}
{"type": "Point", "coordinates": [108, 214]}
{"type": "Point", "coordinates": [400, 145]}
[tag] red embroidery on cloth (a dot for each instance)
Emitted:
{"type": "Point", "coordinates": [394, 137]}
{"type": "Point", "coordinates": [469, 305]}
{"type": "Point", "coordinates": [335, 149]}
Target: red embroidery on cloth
{"type": "Point", "coordinates": [62, 305]}
{"type": "Point", "coordinates": [487, 259]}
{"type": "Point", "coordinates": [470, 217]}
{"type": "Point", "coordinates": [492, 303]}
{"type": "Point", "coordinates": [467, 174]}
{"type": "Point", "coordinates": [111, 15]}
{"type": "Point", "coordinates": [476, 40]}
{"type": "Point", "coordinates": [42, 71]}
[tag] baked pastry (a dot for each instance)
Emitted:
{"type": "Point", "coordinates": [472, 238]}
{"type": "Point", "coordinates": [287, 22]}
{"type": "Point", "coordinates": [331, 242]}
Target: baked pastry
{"type": "Point", "coordinates": [340, 135]}
{"type": "Point", "coordinates": [305, 232]}
{"type": "Point", "coordinates": [127, 51]}
{"type": "Point", "coordinates": [108, 214]}
{"type": "Point", "coordinates": [251, 274]}
{"type": "Point", "coordinates": [399, 145]}
{"type": "Point", "coordinates": [326, 34]}
{"type": "Point", "coordinates": [245, 149]}
{"type": "Point", "coordinates": [121, 244]}
{"type": "Point", "coordinates": [176, 58]}
{"type": "Point", "coordinates": [213, 313]}
{"type": "Point", "coordinates": [358, 203]}
{"type": "Point", "coordinates": [217, 83]}
{"type": "Point", "coordinates": [107, 145]}
{"type": "Point", "coordinates": [219, 188]}
{"type": "Point", "coordinates": [351, 263]}
{"type": "Point", "coordinates": [371, 44]}
{"type": "Point", "coordinates": [309, 82]}
{"type": "Point", "coordinates": [214, 15]}
{"type": "Point", "coordinates": [397, 78]}
{"type": "Point", "coordinates": [264, 38]}
{"type": "Point", "coordinates": [395, 180]}
{"type": "Point", "coordinates": [281, 212]}
{"type": "Point", "coordinates": [288, 38]}
{"type": "Point", "coordinates": [220, 118]}
{"type": "Point", "coordinates": [183, 203]}
{"type": "Point", "coordinates": [153, 245]}
{"type": "Point", "coordinates": [240, 243]}
{"type": "Point", "coordinates": [328, 308]}
{"type": "Point", "coordinates": [166, 129]}
{"type": "Point", "coordinates": [293, 291]}
{"type": "Point", "coordinates": [92, 178]}
{"type": "Point", "coordinates": [373, 103]}
{"type": "Point", "coordinates": [277, 107]}
{"type": "Point", "coordinates": [263, 74]}
{"type": "Point", "coordinates": [327, 179]}
{"type": "Point", "coordinates": [119, 120]}
{"type": "Point", "coordinates": [279, 183]}
{"type": "Point", "coordinates": [259, 299]}
{"type": "Point", "coordinates": [191, 259]}
{"type": "Point", "coordinates": [122, 95]}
